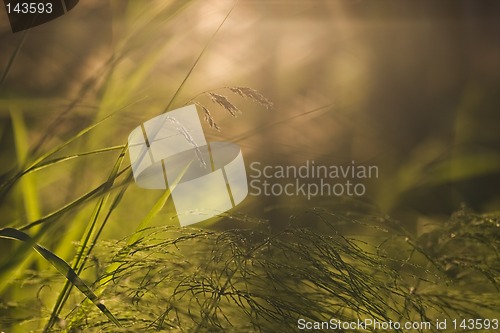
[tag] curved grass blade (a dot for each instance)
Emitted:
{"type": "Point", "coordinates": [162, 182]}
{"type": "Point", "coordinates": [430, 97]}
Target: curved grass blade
{"type": "Point", "coordinates": [188, 74]}
{"type": "Point", "coordinates": [66, 158]}
{"type": "Point", "coordinates": [7, 185]}
{"type": "Point", "coordinates": [61, 266]}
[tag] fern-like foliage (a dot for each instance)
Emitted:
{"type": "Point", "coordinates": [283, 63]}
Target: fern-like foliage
{"type": "Point", "coordinates": [186, 279]}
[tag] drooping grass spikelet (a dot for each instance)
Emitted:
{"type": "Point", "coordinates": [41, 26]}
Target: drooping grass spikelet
{"type": "Point", "coordinates": [225, 103]}
{"type": "Point", "coordinates": [208, 117]}
{"type": "Point", "coordinates": [252, 94]}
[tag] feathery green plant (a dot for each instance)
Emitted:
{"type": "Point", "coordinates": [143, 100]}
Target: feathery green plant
{"type": "Point", "coordinates": [251, 280]}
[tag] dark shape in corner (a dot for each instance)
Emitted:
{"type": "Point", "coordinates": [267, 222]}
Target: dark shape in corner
{"type": "Point", "coordinates": [22, 16]}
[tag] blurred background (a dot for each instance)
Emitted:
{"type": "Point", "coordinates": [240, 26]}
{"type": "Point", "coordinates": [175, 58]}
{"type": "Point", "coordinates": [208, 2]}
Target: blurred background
{"type": "Point", "coordinates": [409, 86]}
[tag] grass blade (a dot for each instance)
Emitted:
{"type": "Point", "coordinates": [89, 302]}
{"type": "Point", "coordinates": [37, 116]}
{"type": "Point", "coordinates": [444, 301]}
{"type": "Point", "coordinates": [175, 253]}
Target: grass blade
{"type": "Point", "coordinates": [197, 60]}
{"type": "Point", "coordinates": [28, 184]}
{"type": "Point", "coordinates": [61, 266]}
{"type": "Point", "coordinates": [83, 199]}
{"type": "Point", "coordinates": [84, 252]}
{"type": "Point", "coordinates": [13, 57]}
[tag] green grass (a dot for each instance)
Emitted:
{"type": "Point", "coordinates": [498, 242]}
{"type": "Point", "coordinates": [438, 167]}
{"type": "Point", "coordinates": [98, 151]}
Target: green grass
{"type": "Point", "coordinates": [251, 280]}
